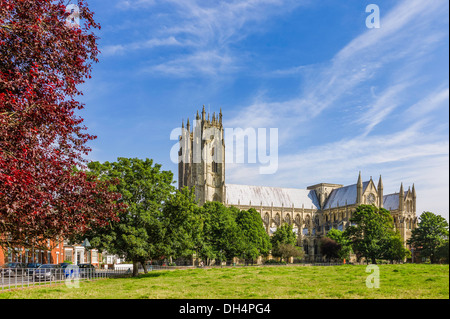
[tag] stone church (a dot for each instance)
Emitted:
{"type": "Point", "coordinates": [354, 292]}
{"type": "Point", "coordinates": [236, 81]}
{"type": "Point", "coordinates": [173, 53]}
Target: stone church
{"type": "Point", "coordinates": [312, 211]}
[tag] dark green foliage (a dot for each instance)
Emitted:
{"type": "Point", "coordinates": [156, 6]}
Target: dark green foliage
{"type": "Point", "coordinates": [371, 236]}
{"type": "Point", "coordinates": [396, 250]}
{"type": "Point", "coordinates": [343, 242]}
{"type": "Point", "coordinates": [181, 223]}
{"type": "Point", "coordinates": [221, 237]}
{"type": "Point", "coordinates": [283, 243]}
{"type": "Point", "coordinates": [255, 240]}
{"type": "Point", "coordinates": [430, 235]}
{"type": "Point", "coordinates": [283, 235]}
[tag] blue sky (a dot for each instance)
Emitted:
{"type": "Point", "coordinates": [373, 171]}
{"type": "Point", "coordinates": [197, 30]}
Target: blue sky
{"type": "Point", "coordinates": [345, 98]}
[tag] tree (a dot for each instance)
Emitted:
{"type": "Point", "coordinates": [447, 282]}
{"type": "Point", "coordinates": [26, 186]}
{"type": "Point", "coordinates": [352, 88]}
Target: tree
{"type": "Point", "coordinates": [221, 234]}
{"type": "Point", "coordinates": [181, 222]}
{"type": "Point", "coordinates": [430, 234]}
{"type": "Point", "coordinates": [286, 251]}
{"type": "Point", "coordinates": [371, 236]}
{"type": "Point", "coordinates": [329, 248]}
{"type": "Point", "coordinates": [283, 235]}
{"type": "Point", "coordinates": [283, 242]}
{"type": "Point", "coordinates": [255, 240]}
{"type": "Point", "coordinates": [343, 241]}
{"type": "Point", "coordinates": [42, 140]}
{"type": "Point", "coordinates": [396, 250]}
{"type": "Point", "coordinates": [139, 232]}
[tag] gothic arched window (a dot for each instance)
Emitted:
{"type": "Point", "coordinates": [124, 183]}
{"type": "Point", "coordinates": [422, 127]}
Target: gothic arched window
{"type": "Point", "coordinates": [297, 220]}
{"type": "Point", "coordinates": [277, 219]}
{"type": "Point", "coordinates": [266, 218]}
{"type": "Point", "coordinates": [215, 167]}
{"type": "Point", "coordinates": [287, 219]}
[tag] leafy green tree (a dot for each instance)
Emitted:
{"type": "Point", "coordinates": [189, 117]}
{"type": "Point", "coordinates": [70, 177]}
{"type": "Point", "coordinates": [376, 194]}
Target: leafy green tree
{"type": "Point", "coordinates": [181, 223]}
{"type": "Point", "coordinates": [286, 251]}
{"type": "Point", "coordinates": [283, 235]}
{"type": "Point", "coordinates": [430, 234]}
{"type": "Point", "coordinates": [371, 236]}
{"type": "Point", "coordinates": [345, 245]}
{"type": "Point", "coordinates": [255, 240]}
{"type": "Point", "coordinates": [139, 233]}
{"type": "Point", "coordinates": [283, 242]}
{"type": "Point", "coordinates": [221, 234]}
{"type": "Point", "coordinates": [396, 251]}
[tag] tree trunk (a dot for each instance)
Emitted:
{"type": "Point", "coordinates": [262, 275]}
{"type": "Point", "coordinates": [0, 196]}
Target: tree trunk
{"type": "Point", "coordinates": [143, 266]}
{"type": "Point", "coordinates": [135, 268]}
{"type": "Point", "coordinates": [374, 261]}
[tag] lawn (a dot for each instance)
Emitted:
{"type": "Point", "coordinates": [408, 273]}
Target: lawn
{"type": "Point", "coordinates": [287, 282]}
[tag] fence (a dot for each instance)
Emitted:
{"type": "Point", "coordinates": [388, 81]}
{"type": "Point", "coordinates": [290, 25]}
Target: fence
{"type": "Point", "coordinates": [19, 278]}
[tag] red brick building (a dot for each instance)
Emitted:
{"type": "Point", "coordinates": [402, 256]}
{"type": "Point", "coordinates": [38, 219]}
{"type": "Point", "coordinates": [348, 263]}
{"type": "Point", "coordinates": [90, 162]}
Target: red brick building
{"type": "Point", "coordinates": [55, 254]}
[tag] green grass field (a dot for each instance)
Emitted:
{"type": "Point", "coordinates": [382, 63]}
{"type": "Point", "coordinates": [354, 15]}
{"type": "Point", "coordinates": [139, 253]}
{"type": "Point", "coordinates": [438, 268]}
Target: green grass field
{"type": "Point", "coordinates": [304, 282]}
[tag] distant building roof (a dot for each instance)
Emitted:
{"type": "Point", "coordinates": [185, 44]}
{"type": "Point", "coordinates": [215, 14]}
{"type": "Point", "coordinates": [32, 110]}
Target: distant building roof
{"type": "Point", "coordinates": [390, 201]}
{"type": "Point", "coordinates": [343, 196]}
{"type": "Point", "coordinates": [258, 195]}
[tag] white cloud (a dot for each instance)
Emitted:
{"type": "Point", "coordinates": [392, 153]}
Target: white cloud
{"type": "Point", "coordinates": [134, 4]}
{"type": "Point", "coordinates": [295, 70]}
{"type": "Point", "coordinates": [146, 44]}
{"type": "Point", "coordinates": [202, 62]}
{"type": "Point", "coordinates": [383, 105]}
{"type": "Point", "coordinates": [430, 103]}
{"type": "Point", "coordinates": [395, 50]}
{"type": "Point", "coordinates": [204, 30]}
{"type": "Point", "coordinates": [400, 42]}
{"type": "Point", "coordinates": [389, 60]}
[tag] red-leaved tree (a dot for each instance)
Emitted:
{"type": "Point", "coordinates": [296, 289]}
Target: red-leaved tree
{"type": "Point", "coordinates": [44, 193]}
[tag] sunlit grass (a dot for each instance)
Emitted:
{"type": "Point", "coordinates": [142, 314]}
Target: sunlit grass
{"type": "Point", "coordinates": [336, 282]}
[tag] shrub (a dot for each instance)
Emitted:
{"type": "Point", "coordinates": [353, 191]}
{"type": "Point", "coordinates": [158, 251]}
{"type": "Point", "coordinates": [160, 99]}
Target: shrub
{"type": "Point", "coordinates": [274, 262]}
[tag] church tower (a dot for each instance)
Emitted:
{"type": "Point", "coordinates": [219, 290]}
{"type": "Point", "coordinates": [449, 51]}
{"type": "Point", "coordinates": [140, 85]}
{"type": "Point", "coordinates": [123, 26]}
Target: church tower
{"type": "Point", "coordinates": [202, 158]}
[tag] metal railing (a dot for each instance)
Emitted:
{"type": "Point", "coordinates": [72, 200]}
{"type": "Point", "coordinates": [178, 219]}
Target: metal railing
{"type": "Point", "coordinates": [20, 278]}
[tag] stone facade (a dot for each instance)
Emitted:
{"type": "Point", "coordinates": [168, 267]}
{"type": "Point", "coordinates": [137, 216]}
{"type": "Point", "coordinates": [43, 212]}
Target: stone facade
{"type": "Point", "coordinates": [312, 211]}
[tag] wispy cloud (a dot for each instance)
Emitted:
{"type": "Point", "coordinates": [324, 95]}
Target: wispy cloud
{"type": "Point", "coordinates": [388, 61]}
{"type": "Point", "coordinates": [395, 49]}
{"type": "Point", "coordinates": [295, 70]}
{"type": "Point", "coordinates": [222, 22]}
{"type": "Point", "coordinates": [205, 31]}
{"type": "Point", "coordinates": [147, 44]}
{"type": "Point", "coordinates": [134, 4]}
{"type": "Point", "coordinates": [382, 107]}
{"type": "Point", "coordinates": [203, 62]}
{"type": "Point", "coordinates": [430, 103]}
